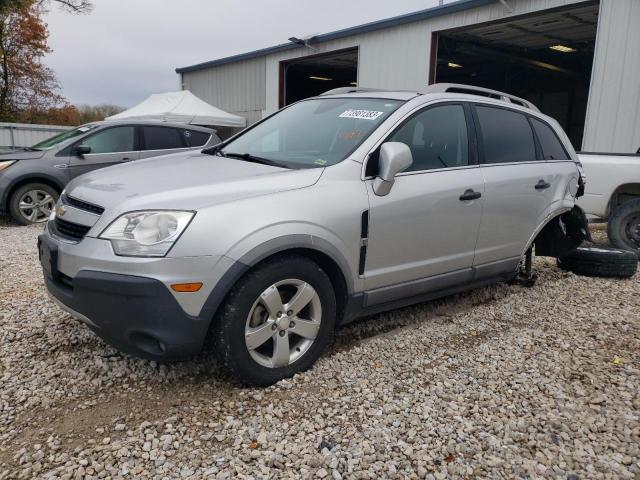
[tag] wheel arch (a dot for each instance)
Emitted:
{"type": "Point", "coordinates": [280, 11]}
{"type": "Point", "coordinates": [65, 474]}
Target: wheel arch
{"type": "Point", "coordinates": [318, 250]}
{"type": "Point", "coordinates": [621, 194]}
{"type": "Point", "coordinates": [561, 233]}
{"type": "Point", "coordinates": [26, 179]}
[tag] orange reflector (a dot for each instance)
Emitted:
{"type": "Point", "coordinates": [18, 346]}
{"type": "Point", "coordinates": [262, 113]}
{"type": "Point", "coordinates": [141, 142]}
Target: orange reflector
{"type": "Point", "coordinates": [187, 287]}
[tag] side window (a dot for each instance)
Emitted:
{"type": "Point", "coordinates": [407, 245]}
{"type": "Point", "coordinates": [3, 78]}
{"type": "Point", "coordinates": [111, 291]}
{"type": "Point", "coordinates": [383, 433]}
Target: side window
{"type": "Point", "coordinates": [437, 138]}
{"type": "Point", "coordinates": [552, 148]}
{"type": "Point", "coordinates": [112, 140]}
{"type": "Point", "coordinates": [162, 138]}
{"type": "Point", "coordinates": [506, 136]}
{"type": "Point", "coordinates": [195, 138]}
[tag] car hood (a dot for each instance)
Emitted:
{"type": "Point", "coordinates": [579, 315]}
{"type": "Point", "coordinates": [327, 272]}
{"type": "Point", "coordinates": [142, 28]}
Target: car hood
{"type": "Point", "coordinates": [184, 181]}
{"type": "Point", "coordinates": [21, 155]}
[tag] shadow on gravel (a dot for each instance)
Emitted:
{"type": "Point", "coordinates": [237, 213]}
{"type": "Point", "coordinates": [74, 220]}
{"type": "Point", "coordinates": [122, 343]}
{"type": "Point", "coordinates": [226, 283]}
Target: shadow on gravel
{"type": "Point", "coordinates": [7, 221]}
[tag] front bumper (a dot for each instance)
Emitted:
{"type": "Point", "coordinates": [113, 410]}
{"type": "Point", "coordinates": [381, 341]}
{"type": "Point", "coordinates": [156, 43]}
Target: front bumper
{"type": "Point", "coordinates": [136, 315]}
{"type": "Point", "coordinates": [128, 302]}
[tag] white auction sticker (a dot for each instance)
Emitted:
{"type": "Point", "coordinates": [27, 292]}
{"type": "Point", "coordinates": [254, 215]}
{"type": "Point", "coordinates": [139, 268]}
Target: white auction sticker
{"type": "Point", "coordinates": [363, 114]}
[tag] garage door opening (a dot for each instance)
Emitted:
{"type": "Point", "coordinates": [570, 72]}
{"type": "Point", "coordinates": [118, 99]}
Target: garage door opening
{"type": "Point", "coordinates": [309, 76]}
{"type": "Point", "coordinates": [545, 58]}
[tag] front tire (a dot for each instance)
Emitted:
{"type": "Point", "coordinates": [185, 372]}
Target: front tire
{"type": "Point", "coordinates": [276, 321]}
{"type": "Point", "coordinates": [32, 203]}
{"type": "Point", "coordinates": [623, 229]}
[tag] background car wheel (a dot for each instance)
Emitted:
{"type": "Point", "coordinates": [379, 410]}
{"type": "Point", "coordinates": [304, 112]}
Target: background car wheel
{"type": "Point", "coordinates": [600, 262]}
{"type": "Point", "coordinates": [276, 321]}
{"type": "Point", "coordinates": [32, 203]}
{"type": "Point", "coordinates": [623, 229]}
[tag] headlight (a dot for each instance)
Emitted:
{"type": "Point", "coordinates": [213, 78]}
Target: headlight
{"type": "Point", "coordinates": [6, 164]}
{"type": "Point", "coordinates": [147, 233]}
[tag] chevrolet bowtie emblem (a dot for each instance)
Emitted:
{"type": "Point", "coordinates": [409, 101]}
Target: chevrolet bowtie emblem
{"type": "Point", "coordinates": [60, 210]}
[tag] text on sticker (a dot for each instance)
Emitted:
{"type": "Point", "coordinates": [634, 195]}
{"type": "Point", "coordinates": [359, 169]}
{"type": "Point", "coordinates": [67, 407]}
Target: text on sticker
{"type": "Point", "coordinates": [363, 114]}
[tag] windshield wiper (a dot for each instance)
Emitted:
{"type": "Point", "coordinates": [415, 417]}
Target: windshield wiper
{"type": "Point", "coordinates": [252, 158]}
{"type": "Point", "coordinates": [215, 150]}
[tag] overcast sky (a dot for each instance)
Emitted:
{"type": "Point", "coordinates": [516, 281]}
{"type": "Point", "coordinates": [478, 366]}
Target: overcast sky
{"type": "Point", "coordinates": [127, 49]}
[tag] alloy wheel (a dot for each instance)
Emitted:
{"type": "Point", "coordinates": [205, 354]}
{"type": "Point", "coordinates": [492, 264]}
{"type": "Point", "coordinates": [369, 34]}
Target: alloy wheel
{"type": "Point", "coordinates": [36, 205]}
{"type": "Point", "coordinates": [283, 323]}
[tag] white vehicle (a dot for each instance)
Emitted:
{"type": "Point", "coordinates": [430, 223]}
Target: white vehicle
{"type": "Point", "coordinates": [612, 194]}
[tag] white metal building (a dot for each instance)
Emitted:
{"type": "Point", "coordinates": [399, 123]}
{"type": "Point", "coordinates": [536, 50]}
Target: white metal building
{"type": "Point", "coordinates": [579, 61]}
{"type": "Point", "coordinates": [16, 135]}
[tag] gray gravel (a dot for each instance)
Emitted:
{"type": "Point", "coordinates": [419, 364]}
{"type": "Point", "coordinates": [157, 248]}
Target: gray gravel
{"type": "Point", "coordinates": [501, 382]}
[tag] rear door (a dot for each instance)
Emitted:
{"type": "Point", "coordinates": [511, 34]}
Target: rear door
{"type": "Point", "coordinates": [109, 146]}
{"type": "Point", "coordinates": [425, 227]}
{"type": "Point", "coordinates": [562, 168]}
{"type": "Point", "coordinates": [160, 140]}
{"type": "Point", "coordinates": [518, 186]}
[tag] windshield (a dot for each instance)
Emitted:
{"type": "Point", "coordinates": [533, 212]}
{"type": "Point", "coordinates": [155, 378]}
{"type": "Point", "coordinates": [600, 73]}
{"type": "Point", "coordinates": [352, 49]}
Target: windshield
{"type": "Point", "coordinates": [61, 137]}
{"type": "Point", "coordinates": [313, 133]}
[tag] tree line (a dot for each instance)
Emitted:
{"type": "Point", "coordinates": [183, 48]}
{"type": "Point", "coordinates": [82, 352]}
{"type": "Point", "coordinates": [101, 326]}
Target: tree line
{"type": "Point", "coordinates": [29, 90]}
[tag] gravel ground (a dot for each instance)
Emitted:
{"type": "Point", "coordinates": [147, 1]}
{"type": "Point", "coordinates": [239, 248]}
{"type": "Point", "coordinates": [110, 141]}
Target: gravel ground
{"type": "Point", "coordinates": [501, 382]}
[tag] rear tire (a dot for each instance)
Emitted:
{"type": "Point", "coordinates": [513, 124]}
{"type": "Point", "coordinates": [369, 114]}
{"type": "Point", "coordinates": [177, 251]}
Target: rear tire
{"type": "Point", "coordinates": [261, 335]}
{"type": "Point", "coordinates": [600, 262]}
{"type": "Point", "coordinates": [32, 203]}
{"type": "Point", "coordinates": [623, 229]}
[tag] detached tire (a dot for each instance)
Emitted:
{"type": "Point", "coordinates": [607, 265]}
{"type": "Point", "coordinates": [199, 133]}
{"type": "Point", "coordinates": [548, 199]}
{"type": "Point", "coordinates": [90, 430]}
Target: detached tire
{"type": "Point", "coordinates": [600, 262]}
{"type": "Point", "coordinates": [623, 228]}
{"type": "Point", "coordinates": [276, 321]}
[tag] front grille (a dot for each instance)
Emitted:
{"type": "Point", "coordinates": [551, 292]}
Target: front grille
{"type": "Point", "coordinates": [81, 205]}
{"type": "Point", "coordinates": [70, 230]}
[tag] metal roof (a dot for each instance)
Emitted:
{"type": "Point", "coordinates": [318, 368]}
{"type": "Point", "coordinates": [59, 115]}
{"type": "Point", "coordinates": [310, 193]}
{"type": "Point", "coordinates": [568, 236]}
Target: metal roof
{"type": "Point", "coordinates": [347, 32]}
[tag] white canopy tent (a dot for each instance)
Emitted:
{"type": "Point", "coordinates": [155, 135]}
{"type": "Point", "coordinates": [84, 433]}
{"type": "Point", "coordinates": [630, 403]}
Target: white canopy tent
{"type": "Point", "coordinates": [180, 107]}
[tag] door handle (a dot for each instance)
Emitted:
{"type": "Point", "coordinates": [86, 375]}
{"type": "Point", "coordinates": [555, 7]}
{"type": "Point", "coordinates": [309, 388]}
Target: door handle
{"type": "Point", "coordinates": [125, 159]}
{"type": "Point", "coordinates": [542, 185]}
{"type": "Point", "coordinates": [470, 194]}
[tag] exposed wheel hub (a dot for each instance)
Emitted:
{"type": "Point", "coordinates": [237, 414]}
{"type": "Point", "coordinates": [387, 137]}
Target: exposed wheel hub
{"type": "Point", "coordinates": [632, 230]}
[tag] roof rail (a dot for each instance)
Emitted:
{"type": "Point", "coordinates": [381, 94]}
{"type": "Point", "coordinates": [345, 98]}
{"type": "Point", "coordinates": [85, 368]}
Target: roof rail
{"type": "Point", "coordinates": [480, 91]}
{"type": "Point", "coordinates": [342, 90]}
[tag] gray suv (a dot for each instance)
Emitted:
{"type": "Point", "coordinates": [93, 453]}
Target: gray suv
{"type": "Point", "coordinates": [31, 179]}
{"type": "Point", "coordinates": [335, 207]}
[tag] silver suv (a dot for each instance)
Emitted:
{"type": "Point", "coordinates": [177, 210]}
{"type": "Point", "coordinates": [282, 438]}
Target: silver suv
{"type": "Point", "coordinates": [32, 178]}
{"type": "Point", "coordinates": [338, 206]}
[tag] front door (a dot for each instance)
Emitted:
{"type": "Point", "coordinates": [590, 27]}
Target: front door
{"type": "Point", "coordinates": [428, 224]}
{"type": "Point", "coordinates": [109, 146]}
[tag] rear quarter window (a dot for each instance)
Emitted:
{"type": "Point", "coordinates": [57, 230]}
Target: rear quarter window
{"type": "Point", "coordinates": [552, 148]}
{"type": "Point", "coordinates": [195, 138]}
{"type": "Point", "coordinates": [506, 136]}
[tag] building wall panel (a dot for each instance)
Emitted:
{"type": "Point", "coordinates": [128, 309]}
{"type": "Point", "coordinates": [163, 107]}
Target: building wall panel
{"type": "Point", "coordinates": [613, 110]}
{"type": "Point", "coordinates": [234, 87]}
{"type": "Point", "coordinates": [392, 58]}
{"type": "Point", "coordinates": [14, 135]}
{"type": "Point", "coordinates": [399, 57]}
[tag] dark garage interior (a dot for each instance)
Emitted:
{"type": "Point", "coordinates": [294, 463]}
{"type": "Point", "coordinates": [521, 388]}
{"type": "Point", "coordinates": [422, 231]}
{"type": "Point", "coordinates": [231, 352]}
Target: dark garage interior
{"type": "Point", "coordinates": [315, 74]}
{"type": "Point", "coordinates": [545, 58]}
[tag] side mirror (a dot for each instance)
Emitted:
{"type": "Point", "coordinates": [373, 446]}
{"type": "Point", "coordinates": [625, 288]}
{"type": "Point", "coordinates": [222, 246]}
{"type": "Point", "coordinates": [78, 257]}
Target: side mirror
{"type": "Point", "coordinates": [82, 150]}
{"type": "Point", "coordinates": [395, 157]}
